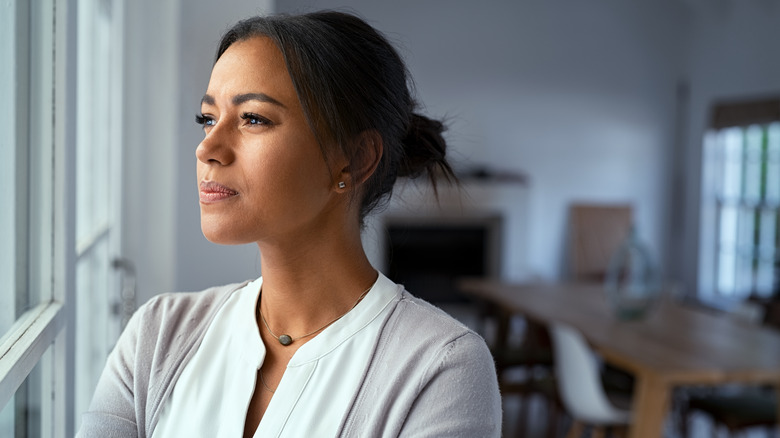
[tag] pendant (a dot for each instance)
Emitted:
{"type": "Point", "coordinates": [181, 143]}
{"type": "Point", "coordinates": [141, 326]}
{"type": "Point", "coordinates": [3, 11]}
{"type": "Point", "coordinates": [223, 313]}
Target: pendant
{"type": "Point", "coordinates": [285, 340]}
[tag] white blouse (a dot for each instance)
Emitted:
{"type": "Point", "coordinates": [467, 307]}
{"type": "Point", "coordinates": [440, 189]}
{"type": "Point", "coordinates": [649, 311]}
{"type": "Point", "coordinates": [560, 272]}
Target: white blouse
{"type": "Point", "coordinates": [213, 392]}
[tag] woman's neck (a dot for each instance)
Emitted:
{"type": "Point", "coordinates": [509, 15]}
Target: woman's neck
{"type": "Point", "coordinates": [308, 285]}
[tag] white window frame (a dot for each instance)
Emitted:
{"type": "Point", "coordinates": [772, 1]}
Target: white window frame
{"type": "Point", "coordinates": [43, 327]}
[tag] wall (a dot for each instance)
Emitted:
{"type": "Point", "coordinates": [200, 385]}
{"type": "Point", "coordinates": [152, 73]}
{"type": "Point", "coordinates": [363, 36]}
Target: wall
{"type": "Point", "coordinates": [170, 48]}
{"type": "Point", "coordinates": [150, 109]}
{"type": "Point", "coordinates": [201, 263]}
{"type": "Point", "coordinates": [579, 97]}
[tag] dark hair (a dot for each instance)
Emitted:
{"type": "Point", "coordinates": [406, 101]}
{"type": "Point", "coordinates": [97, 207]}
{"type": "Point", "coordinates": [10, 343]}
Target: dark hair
{"type": "Point", "coordinates": [349, 80]}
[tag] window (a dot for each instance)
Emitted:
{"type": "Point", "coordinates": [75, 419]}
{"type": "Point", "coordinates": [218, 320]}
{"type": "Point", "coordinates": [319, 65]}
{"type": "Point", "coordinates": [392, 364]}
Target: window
{"type": "Point", "coordinates": [65, 292]}
{"type": "Point", "coordinates": [741, 209]}
{"type": "Point", "coordinates": [60, 235]}
{"type": "Point", "coordinates": [32, 242]}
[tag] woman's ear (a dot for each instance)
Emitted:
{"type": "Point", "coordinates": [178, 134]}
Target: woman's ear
{"type": "Point", "coordinates": [368, 152]}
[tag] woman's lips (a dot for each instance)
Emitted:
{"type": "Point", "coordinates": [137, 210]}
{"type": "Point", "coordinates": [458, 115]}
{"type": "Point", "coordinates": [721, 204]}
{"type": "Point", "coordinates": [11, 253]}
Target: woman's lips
{"type": "Point", "coordinates": [211, 191]}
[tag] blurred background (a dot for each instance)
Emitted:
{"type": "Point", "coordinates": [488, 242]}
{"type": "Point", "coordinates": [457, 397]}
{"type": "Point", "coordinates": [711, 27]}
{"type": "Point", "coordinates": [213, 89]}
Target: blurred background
{"type": "Point", "coordinates": [603, 102]}
{"type": "Point", "coordinates": [549, 105]}
{"type": "Point", "coordinates": [667, 107]}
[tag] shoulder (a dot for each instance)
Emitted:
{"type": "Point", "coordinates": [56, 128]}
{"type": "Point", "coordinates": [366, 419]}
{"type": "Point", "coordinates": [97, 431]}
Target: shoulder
{"type": "Point", "coordinates": [423, 323]}
{"type": "Point", "coordinates": [186, 307]}
{"type": "Point", "coordinates": [430, 375]}
{"type": "Point", "coordinates": [172, 323]}
{"type": "Point", "coordinates": [426, 341]}
{"type": "Point", "coordinates": [190, 301]}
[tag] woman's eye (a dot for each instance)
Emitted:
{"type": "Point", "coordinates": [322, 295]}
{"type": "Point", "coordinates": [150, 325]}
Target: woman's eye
{"type": "Point", "coordinates": [204, 121]}
{"type": "Point", "coordinates": [254, 119]}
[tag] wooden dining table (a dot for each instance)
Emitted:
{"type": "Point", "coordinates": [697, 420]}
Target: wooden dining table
{"type": "Point", "coordinates": [673, 345]}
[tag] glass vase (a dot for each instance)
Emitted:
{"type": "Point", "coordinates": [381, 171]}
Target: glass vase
{"type": "Point", "coordinates": [631, 281]}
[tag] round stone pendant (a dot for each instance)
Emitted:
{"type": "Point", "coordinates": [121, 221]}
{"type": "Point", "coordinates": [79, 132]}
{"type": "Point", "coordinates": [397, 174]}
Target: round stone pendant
{"type": "Point", "coordinates": [285, 340]}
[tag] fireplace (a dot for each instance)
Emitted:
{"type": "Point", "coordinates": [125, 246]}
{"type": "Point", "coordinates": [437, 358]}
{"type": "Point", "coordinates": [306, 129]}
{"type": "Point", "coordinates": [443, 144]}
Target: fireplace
{"type": "Point", "coordinates": [479, 226]}
{"type": "Point", "coordinates": [428, 254]}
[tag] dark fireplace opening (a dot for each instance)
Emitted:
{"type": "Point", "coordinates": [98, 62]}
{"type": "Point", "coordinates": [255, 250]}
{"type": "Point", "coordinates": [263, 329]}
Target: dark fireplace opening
{"type": "Point", "coordinates": [428, 257]}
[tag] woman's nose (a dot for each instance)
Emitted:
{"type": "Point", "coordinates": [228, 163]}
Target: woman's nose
{"type": "Point", "coordinates": [216, 147]}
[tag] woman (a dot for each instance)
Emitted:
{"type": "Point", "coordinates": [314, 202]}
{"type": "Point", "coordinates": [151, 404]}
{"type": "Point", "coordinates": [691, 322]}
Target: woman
{"type": "Point", "coordinates": [308, 121]}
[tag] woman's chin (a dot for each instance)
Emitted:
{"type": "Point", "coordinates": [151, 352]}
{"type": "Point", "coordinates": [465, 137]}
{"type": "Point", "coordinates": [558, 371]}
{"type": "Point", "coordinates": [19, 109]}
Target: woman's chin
{"type": "Point", "coordinates": [222, 235]}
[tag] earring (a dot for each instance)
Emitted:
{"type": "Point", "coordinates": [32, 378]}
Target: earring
{"type": "Point", "coordinates": [342, 184]}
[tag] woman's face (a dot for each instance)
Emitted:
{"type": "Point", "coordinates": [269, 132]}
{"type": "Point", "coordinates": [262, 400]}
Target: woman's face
{"type": "Point", "coordinates": [261, 173]}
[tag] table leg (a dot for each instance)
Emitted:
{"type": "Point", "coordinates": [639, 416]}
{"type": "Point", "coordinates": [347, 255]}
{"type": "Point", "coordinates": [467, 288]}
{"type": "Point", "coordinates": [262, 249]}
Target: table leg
{"type": "Point", "coordinates": [777, 389]}
{"type": "Point", "coordinates": [650, 406]}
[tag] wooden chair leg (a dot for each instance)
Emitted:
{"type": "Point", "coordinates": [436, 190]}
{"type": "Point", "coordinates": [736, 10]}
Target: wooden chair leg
{"type": "Point", "coordinates": [620, 431]}
{"type": "Point", "coordinates": [685, 419]}
{"type": "Point", "coordinates": [522, 425]}
{"type": "Point", "coordinates": [576, 430]}
{"type": "Point", "coordinates": [552, 419]}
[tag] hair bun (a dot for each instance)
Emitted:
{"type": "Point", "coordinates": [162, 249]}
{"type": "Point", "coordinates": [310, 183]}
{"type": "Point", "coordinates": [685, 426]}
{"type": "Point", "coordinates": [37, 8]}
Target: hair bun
{"type": "Point", "coordinates": [424, 149]}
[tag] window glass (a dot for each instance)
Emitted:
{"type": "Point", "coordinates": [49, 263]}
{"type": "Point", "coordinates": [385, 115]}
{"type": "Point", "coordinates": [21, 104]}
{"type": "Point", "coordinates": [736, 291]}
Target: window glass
{"type": "Point", "coordinates": [26, 45]}
{"type": "Point", "coordinates": [747, 203]}
{"type": "Point", "coordinates": [26, 218]}
{"type": "Point", "coordinates": [39, 180]}
{"type": "Point", "coordinates": [22, 417]}
{"type": "Point", "coordinates": [14, 37]}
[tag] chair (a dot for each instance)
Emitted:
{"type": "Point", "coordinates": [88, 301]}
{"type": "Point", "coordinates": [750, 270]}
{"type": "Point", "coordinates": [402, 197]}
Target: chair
{"type": "Point", "coordinates": [579, 384]}
{"type": "Point", "coordinates": [596, 232]}
{"type": "Point", "coordinates": [738, 409]}
{"type": "Point", "coordinates": [747, 409]}
{"type": "Point", "coordinates": [772, 312]}
{"type": "Point", "coordinates": [531, 357]}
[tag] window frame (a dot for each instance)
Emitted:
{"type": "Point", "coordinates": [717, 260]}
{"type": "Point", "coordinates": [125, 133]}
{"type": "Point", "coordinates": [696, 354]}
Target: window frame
{"type": "Point", "coordinates": [49, 172]}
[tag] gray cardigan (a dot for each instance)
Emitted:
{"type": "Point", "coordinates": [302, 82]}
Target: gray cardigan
{"type": "Point", "coordinates": [428, 376]}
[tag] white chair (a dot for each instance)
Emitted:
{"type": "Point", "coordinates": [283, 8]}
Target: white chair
{"type": "Point", "coordinates": [579, 384]}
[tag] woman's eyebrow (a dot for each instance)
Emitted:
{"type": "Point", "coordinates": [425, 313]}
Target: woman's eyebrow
{"type": "Point", "coordinates": [241, 98]}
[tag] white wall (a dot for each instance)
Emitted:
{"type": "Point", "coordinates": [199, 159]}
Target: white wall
{"type": "Point", "coordinates": [200, 263]}
{"type": "Point", "coordinates": [580, 96]}
{"type": "Point", "coordinates": [169, 50]}
{"type": "Point", "coordinates": [151, 44]}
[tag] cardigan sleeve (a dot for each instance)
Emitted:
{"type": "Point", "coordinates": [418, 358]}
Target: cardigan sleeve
{"type": "Point", "coordinates": [112, 411]}
{"type": "Point", "coordinates": [141, 371]}
{"type": "Point", "coordinates": [459, 396]}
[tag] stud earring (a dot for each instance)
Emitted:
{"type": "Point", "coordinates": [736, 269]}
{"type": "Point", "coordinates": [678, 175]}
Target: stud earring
{"type": "Point", "coordinates": [342, 184]}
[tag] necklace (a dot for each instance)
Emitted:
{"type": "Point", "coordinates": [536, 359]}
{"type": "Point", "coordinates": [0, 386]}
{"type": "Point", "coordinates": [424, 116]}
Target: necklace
{"type": "Point", "coordinates": [262, 380]}
{"type": "Point", "coordinates": [286, 339]}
